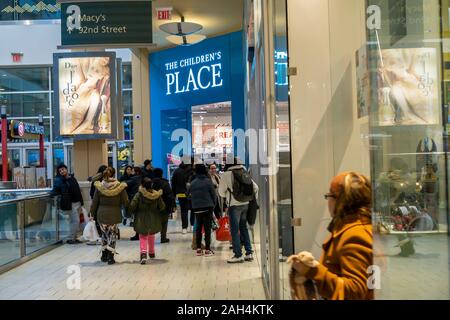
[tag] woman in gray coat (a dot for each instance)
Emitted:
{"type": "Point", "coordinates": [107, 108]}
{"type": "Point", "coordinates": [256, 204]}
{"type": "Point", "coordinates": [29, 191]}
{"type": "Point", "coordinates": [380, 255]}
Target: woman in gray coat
{"type": "Point", "coordinates": [109, 199]}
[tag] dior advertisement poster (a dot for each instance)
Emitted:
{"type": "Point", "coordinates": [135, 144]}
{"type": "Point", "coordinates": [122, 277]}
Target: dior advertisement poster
{"type": "Point", "coordinates": [85, 85]}
{"type": "Point", "coordinates": [408, 91]}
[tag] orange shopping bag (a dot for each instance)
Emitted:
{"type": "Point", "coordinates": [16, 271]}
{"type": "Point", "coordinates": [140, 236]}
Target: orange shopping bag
{"type": "Point", "coordinates": [224, 232]}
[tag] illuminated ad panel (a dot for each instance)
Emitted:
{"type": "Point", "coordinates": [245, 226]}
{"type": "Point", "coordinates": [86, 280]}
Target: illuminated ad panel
{"type": "Point", "coordinates": [85, 94]}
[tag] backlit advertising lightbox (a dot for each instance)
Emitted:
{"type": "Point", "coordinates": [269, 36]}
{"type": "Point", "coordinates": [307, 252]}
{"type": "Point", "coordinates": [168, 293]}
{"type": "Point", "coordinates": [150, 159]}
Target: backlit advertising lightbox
{"type": "Point", "coordinates": [85, 94]}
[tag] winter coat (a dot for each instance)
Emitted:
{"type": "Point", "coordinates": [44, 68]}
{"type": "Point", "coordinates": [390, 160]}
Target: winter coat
{"type": "Point", "coordinates": [69, 190]}
{"type": "Point", "coordinates": [125, 177]}
{"type": "Point", "coordinates": [133, 184]}
{"type": "Point", "coordinates": [147, 173]}
{"type": "Point", "coordinates": [347, 254]}
{"type": "Point", "coordinates": [146, 207]}
{"type": "Point", "coordinates": [180, 178]}
{"type": "Point", "coordinates": [226, 184]}
{"type": "Point", "coordinates": [168, 197]}
{"type": "Point", "coordinates": [97, 177]}
{"type": "Point", "coordinates": [202, 192]}
{"type": "Point", "coordinates": [109, 199]}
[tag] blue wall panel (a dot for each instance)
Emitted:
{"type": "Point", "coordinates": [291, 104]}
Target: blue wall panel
{"type": "Point", "coordinates": [223, 65]}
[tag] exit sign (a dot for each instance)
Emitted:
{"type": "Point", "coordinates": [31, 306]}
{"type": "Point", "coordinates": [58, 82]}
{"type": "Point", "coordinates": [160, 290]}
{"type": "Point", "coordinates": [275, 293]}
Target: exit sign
{"type": "Point", "coordinates": [164, 13]}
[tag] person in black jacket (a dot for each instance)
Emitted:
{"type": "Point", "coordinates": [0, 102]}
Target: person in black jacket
{"type": "Point", "coordinates": [127, 174]}
{"type": "Point", "coordinates": [97, 177]}
{"type": "Point", "coordinates": [180, 178]}
{"type": "Point", "coordinates": [70, 200]}
{"type": "Point", "coordinates": [159, 183]}
{"type": "Point", "coordinates": [133, 184]}
{"type": "Point", "coordinates": [147, 169]}
{"type": "Point", "coordinates": [204, 199]}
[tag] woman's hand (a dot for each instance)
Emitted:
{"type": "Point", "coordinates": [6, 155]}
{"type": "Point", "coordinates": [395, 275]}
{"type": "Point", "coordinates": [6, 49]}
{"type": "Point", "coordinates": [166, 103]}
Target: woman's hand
{"type": "Point", "coordinates": [303, 262]}
{"type": "Point", "coordinates": [299, 266]}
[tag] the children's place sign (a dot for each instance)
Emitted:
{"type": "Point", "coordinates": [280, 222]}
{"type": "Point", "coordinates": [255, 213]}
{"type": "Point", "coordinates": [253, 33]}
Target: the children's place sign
{"type": "Point", "coordinates": [194, 73]}
{"type": "Point", "coordinates": [106, 22]}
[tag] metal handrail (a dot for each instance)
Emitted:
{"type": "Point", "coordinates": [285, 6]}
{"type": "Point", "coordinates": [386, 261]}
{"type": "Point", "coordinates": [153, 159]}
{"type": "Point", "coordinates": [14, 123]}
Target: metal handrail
{"type": "Point", "coordinates": [25, 198]}
{"type": "Point", "coordinates": [25, 190]}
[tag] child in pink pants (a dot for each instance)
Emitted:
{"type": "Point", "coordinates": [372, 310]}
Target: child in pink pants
{"type": "Point", "coordinates": [146, 207]}
{"type": "Point", "coordinates": [147, 244]}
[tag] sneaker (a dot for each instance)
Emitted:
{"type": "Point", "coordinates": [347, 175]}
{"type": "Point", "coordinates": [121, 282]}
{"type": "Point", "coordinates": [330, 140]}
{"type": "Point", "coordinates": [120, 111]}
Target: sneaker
{"type": "Point", "coordinates": [199, 252]}
{"type": "Point", "coordinates": [248, 257]}
{"type": "Point", "coordinates": [165, 240]}
{"type": "Point", "coordinates": [208, 253]}
{"type": "Point", "coordinates": [184, 231]}
{"type": "Point", "coordinates": [151, 255]}
{"type": "Point", "coordinates": [235, 259]}
{"type": "Point", "coordinates": [143, 258]}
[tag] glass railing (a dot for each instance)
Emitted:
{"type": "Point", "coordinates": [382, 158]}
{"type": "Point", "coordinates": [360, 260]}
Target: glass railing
{"type": "Point", "coordinates": [29, 222]}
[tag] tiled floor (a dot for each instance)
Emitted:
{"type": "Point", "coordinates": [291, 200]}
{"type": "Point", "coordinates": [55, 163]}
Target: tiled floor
{"type": "Point", "coordinates": [176, 273]}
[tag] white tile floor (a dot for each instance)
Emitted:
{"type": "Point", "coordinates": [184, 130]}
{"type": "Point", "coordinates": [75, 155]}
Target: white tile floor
{"type": "Point", "coordinates": [176, 273]}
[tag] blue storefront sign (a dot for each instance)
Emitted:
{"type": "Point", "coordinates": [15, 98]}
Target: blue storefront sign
{"type": "Point", "coordinates": [212, 71]}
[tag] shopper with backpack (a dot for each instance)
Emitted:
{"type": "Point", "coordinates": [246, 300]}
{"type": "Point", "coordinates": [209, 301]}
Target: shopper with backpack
{"type": "Point", "coordinates": [238, 189]}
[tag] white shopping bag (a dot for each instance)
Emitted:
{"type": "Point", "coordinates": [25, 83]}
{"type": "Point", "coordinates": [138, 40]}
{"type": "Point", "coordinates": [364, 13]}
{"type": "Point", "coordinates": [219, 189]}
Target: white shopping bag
{"type": "Point", "coordinates": [90, 231]}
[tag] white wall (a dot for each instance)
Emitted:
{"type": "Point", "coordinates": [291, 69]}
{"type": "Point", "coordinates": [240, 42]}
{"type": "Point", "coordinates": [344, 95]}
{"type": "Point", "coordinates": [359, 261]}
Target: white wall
{"type": "Point", "coordinates": [326, 134]}
{"type": "Point", "coordinates": [37, 42]}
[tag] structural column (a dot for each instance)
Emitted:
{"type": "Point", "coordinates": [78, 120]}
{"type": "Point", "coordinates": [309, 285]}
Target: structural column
{"type": "Point", "coordinates": [141, 106]}
{"type": "Point", "coordinates": [88, 156]}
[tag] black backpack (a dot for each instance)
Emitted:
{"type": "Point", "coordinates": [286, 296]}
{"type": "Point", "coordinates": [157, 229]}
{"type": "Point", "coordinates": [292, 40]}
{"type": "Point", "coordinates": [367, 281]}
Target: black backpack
{"type": "Point", "coordinates": [242, 185]}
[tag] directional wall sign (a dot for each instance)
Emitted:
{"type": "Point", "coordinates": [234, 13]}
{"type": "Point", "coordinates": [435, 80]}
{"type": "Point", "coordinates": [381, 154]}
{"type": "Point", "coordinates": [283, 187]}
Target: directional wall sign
{"type": "Point", "coordinates": [106, 23]}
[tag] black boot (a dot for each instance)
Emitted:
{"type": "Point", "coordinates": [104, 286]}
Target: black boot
{"type": "Point", "coordinates": [118, 234]}
{"type": "Point", "coordinates": [104, 257]}
{"type": "Point", "coordinates": [111, 258]}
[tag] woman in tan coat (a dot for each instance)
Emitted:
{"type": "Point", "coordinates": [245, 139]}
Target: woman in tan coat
{"type": "Point", "coordinates": [109, 199]}
{"type": "Point", "coordinates": [347, 254]}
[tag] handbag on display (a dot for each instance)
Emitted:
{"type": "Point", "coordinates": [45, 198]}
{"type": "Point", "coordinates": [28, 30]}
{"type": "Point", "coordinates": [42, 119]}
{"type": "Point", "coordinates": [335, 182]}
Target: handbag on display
{"type": "Point", "coordinates": [224, 232]}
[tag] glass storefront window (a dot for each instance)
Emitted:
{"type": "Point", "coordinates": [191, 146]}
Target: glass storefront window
{"type": "Point", "coordinates": [58, 155]}
{"type": "Point", "coordinates": [28, 105]}
{"type": "Point", "coordinates": [126, 76]}
{"type": "Point", "coordinates": [375, 103]}
{"type": "Point", "coordinates": [128, 127]}
{"type": "Point", "coordinates": [127, 102]}
{"type": "Point", "coordinates": [405, 62]}
{"type": "Point", "coordinates": [24, 79]}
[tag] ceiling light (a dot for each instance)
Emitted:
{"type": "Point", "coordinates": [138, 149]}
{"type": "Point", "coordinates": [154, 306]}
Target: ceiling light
{"type": "Point", "coordinates": [186, 40]}
{"type": "Point", "coordinates": [181, 28]}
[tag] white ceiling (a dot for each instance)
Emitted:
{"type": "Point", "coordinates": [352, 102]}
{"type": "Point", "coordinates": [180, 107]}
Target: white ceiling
{"type": "Point", "coordinates": [216, 16]}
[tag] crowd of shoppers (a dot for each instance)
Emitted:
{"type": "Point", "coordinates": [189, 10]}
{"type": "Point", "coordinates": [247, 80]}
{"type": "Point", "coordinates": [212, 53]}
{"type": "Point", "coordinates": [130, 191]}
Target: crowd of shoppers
{"type": "Point", "coordinates": [143, 195]}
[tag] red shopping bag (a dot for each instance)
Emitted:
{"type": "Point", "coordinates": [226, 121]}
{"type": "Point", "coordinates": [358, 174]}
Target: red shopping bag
{"type": "Point", "coordinates": [224, 232]}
